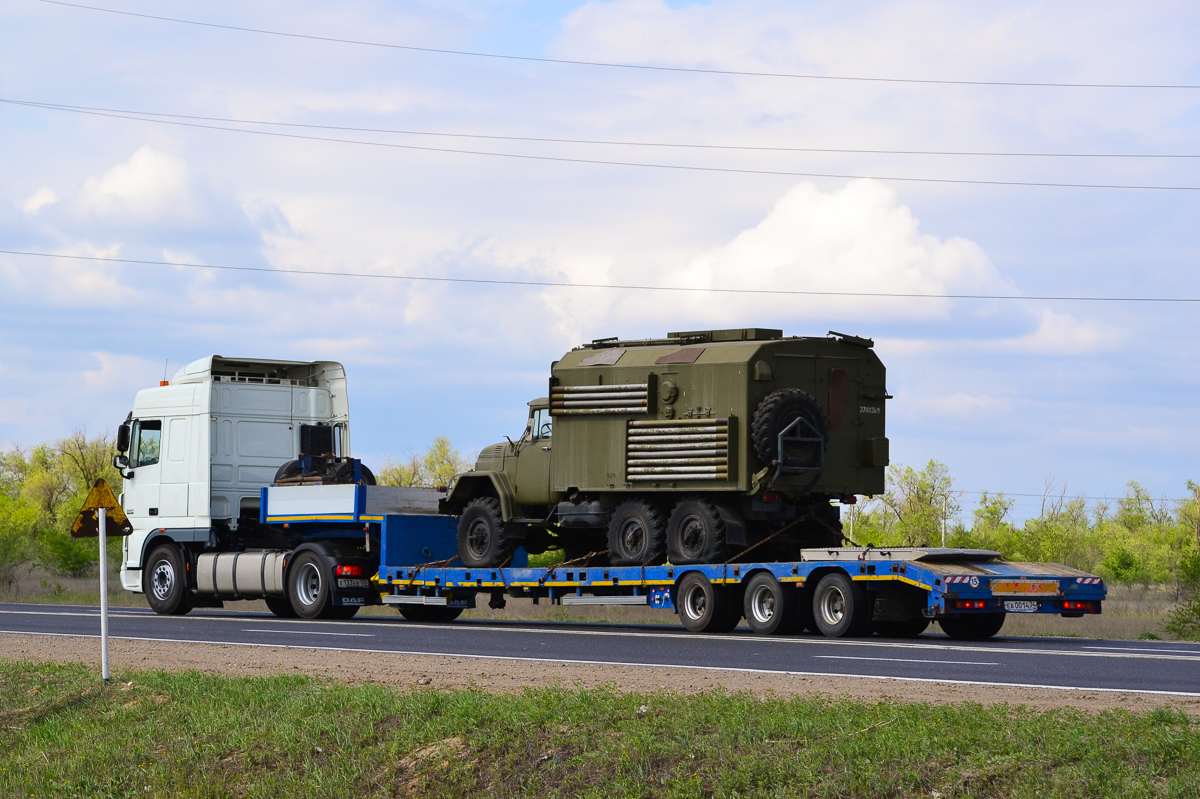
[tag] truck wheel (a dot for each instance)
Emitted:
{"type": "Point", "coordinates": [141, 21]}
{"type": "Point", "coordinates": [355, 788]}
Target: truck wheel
{"type": "Point", "coordinates": [702, 608]}
{"type": "Point", "coordinates": [770, 607]}
{"type": "Point", "coordinates": [841, 608]}
{"type": "Point", "coordinates": [695, 533]}
{"type": "Point", "coordinates": [281, 606]}
{"type": "Point", "coordinates": [165, 581]}
{"type": "Point", "coordinates": [430, 613]}
{"type": "Point", "coordinates": [481, 542]}
{"type": "Point", "coordinates": [972, 626]}
{"type": "Point", "coordinates": [637, 534]}
{"type": "Point", "coordinates": [308, 586]}
{"type": "Point", "coordinates": [909, 628]}
{"type": "Point", "coordinates": [778, 410]}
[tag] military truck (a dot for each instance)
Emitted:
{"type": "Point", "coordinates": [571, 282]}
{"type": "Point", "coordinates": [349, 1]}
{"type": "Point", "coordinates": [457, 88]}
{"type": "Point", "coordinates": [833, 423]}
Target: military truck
{"type": "Point", "coordinates": [692, 448]}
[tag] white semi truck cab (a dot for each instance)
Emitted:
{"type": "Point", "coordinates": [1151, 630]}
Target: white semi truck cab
{"type": "Point", "coordinates": [196, 454]}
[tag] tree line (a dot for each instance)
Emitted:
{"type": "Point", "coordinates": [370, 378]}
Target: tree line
{"type": "Point", "coordinates": [1136, 540]}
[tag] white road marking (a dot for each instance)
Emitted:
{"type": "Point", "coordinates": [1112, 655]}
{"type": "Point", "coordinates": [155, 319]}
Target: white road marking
{"type": "Point", "coordinates": [907, 660]}
{"type": "Point", "coordinates": [1147, 649]}
{"type": "Point", "coordinates": [806, 640]}
{"type": "Point", "coordinates": [309, 632]}
{"type": "Point", "coordinates": [510, 658]}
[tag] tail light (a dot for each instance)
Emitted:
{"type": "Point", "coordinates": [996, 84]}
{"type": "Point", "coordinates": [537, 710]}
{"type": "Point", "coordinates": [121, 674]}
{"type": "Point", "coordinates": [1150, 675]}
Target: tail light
{"type": "Point", "coordinates": [970, 604]}
{"type": "Point", "coordinates": [348, 571]}
{"type": "Point", "coordinates": [1075, 604]}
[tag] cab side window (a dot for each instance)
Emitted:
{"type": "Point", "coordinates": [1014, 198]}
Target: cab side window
{"type": "Point", "coordinates": [147, 446]}
{"type": "Point", "coordinates": [543, 423]}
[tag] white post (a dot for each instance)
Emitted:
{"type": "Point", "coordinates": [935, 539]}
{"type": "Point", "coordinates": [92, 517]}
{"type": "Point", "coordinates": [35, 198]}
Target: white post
{"type": "Point", "coordinates": [103, 594]}
{"type": "Point", "coordinates": [945, 502]}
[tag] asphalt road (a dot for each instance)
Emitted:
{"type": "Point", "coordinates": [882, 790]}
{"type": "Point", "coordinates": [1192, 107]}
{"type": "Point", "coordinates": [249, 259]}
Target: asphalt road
{"type": "Point", "coordinates": [1094, 664]}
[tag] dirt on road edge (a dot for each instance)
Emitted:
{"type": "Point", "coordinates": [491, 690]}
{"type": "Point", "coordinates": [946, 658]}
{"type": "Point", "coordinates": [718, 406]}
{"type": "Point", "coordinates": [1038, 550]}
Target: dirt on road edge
{"type": "Point", "coordinates": [500, 675]}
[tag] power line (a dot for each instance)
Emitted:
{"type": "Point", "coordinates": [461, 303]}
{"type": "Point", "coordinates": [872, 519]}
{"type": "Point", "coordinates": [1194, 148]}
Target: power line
{"type": "Point", "coordinates": [604, 142]}
{"type": "Point", "coordinates": [611, 286]}
{"type": "Point", "coordinates": [606, 162]}
{"type": "Point", "coordinates": [617, 65]}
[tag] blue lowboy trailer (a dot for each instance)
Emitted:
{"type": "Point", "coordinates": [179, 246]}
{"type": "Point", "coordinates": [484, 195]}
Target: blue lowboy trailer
{"type": "Point", "coordinates": [408, 560]}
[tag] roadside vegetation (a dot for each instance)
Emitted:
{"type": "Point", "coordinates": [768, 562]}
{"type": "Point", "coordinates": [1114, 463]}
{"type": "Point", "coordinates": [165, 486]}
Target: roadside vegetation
{"type": "Point", "coordinates": [1136, 543]}
{"type": "Point", "coordinates": [196, 735]}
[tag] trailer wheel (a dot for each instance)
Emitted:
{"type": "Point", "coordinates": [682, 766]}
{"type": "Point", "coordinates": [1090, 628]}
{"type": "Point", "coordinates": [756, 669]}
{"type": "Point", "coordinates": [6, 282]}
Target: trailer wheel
{"type": "Point", "coordinates": [165, 581]}
{"type": "Point", "coordinates": [909, 628]}
{"type": "Point", "coordinates": [308, 586]}
{"type": "Point", "coordinates": [637, 534]}
{"type": "Point", "coordinates": [281, 606]}
{"type": "Point", "coordinates": [430, 613]}
{"type": "Point", "coordinates": [972, 626]}
{"type": "Point", "coordinates": [841, 607]}
{"type": "Point", "coordinates": [770, 607]}
{"type": "Point", "coordinates": [481, 542]}
{"type": "Point", "coordinates": [778, 410]}
{"type": "Point", "coordinates": [695, 533]}
{"type": "Point", "coordinates": [702, 608]}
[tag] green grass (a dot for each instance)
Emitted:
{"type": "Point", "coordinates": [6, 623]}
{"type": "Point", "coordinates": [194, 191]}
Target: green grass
{"type": "Point", "coordinates": [192, 735]}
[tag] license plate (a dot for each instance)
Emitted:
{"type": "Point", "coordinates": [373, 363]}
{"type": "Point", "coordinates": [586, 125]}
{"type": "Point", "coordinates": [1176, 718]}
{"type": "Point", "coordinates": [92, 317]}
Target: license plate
{"type": "Point", "coordinates": [1025, 588]}
{"type": "Point", "coordinates": [344, 582]}
{"type": "Point", "coordinates": [1020, 606]}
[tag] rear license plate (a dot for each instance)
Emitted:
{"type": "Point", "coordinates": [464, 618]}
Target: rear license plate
{"type": "Point", "coordinates": [1020, 606]}
{"type": "Point", "coordinates": [344, 582]}
{"type": "Point", "coordinates": [1025, 588]}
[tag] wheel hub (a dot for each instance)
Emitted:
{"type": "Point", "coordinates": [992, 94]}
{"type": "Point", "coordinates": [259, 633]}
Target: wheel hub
{"type": "Point", "coordinates": [633, 538]}
{"type": "Point", "coordinates": [695, 603]}
{"type": "Point", "coordinates": [833, 606]}
{"type": "Point", "coordinates": [762, 604]}
{"type": "Point", "coordinates": [162, 580]}
{"type": "Point", "coordinates": [308, 584]}
{"type": "Point", "coordinates": [477, 538]}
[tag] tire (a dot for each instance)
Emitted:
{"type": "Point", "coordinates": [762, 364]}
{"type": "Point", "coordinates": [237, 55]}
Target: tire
{"type": "Point", "coordinates": [368, 476]}
{"type": "Point", "coordinates": [909, 628]}
{"type": "Point", "coordinates": [770, 607]}
{"type": "Point", "coordinates": [165, 581]}
{"type": "Point", "coordinates": [287, 470]}
{"type": "Point", "coordinates": [481, 542]}
{"type": "Point", "coordinates": [701, 608]}
{"type": "Point", "coordinates": [778, 410]}
{"type": "Point", "coordinates": [637, 534]}
{"type": "Point", "coordinates": [281, 606]}
{"type": "Point", "coordinates": [429, 613]}
{"type": "Point", "coordinates": [695, 533]}
{"type": "Point", "coordinates": [972, 626]}
{"type": "Point", "coordinates": [308, 586]}
{"type": "Point", "coordinates": [840, 607]}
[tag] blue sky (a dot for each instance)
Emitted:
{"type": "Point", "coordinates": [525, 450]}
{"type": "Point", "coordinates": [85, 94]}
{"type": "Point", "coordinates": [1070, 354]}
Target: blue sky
{"type": "Point", "coordinates": [1009, 394]}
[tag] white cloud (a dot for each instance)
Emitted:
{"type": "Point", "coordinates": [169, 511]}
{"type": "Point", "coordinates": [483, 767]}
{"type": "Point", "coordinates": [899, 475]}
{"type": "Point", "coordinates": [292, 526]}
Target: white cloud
{"type": "Point", "coordinates": [116, 373]}
{"type": "Point", "coordinates": [149, 185]}
{"type": "Point", "coordinates": [40, 199]}
{"type": "Point", "coordinates": [1063, 334]}
{"type": "Point", "coordinates": [964, 406]}
{"type": "Point", "coordinates": [859, 238]}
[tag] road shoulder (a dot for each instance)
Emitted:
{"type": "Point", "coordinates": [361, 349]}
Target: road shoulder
{"type": "Point", "coordinates": [504, 676]}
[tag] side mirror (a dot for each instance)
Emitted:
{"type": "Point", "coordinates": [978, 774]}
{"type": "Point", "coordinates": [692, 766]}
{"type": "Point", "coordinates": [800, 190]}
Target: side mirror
{"type": "Point", "coordinates": [120, 461]}
{"type": "Point", "coordinates": [123, 438]}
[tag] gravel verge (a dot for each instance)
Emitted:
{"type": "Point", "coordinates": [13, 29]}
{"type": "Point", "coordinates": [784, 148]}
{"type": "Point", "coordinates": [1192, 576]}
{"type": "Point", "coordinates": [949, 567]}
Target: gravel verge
{"type": "Point", "coordinates": [500, 675]}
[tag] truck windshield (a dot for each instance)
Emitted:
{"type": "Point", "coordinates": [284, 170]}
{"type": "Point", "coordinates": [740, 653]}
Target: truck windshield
{"type": "Point", "coordinates": [147, 438]}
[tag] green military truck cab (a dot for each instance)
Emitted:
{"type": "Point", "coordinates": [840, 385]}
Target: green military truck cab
{"type": "Point", "coordinates": [689, 448]}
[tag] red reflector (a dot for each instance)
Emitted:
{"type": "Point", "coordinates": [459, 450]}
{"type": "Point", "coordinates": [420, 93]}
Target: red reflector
{"type": "Point", "coordinates": [349, 571]}
{"type": "Point", "coordinates": [768, 498]}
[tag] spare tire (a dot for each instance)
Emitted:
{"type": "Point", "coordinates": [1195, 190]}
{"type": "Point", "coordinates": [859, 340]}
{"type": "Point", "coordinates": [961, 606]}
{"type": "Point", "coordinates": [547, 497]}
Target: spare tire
{"type": "Point", "coordinates": [287, 470]}
{"type": "Point", "coordinates": [778, 410]}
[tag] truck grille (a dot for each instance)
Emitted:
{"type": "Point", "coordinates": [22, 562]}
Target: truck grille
{"type": "Point", "coordinates": [680, 449]}
{"type": "Point", "coordinates": [587, 400]}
